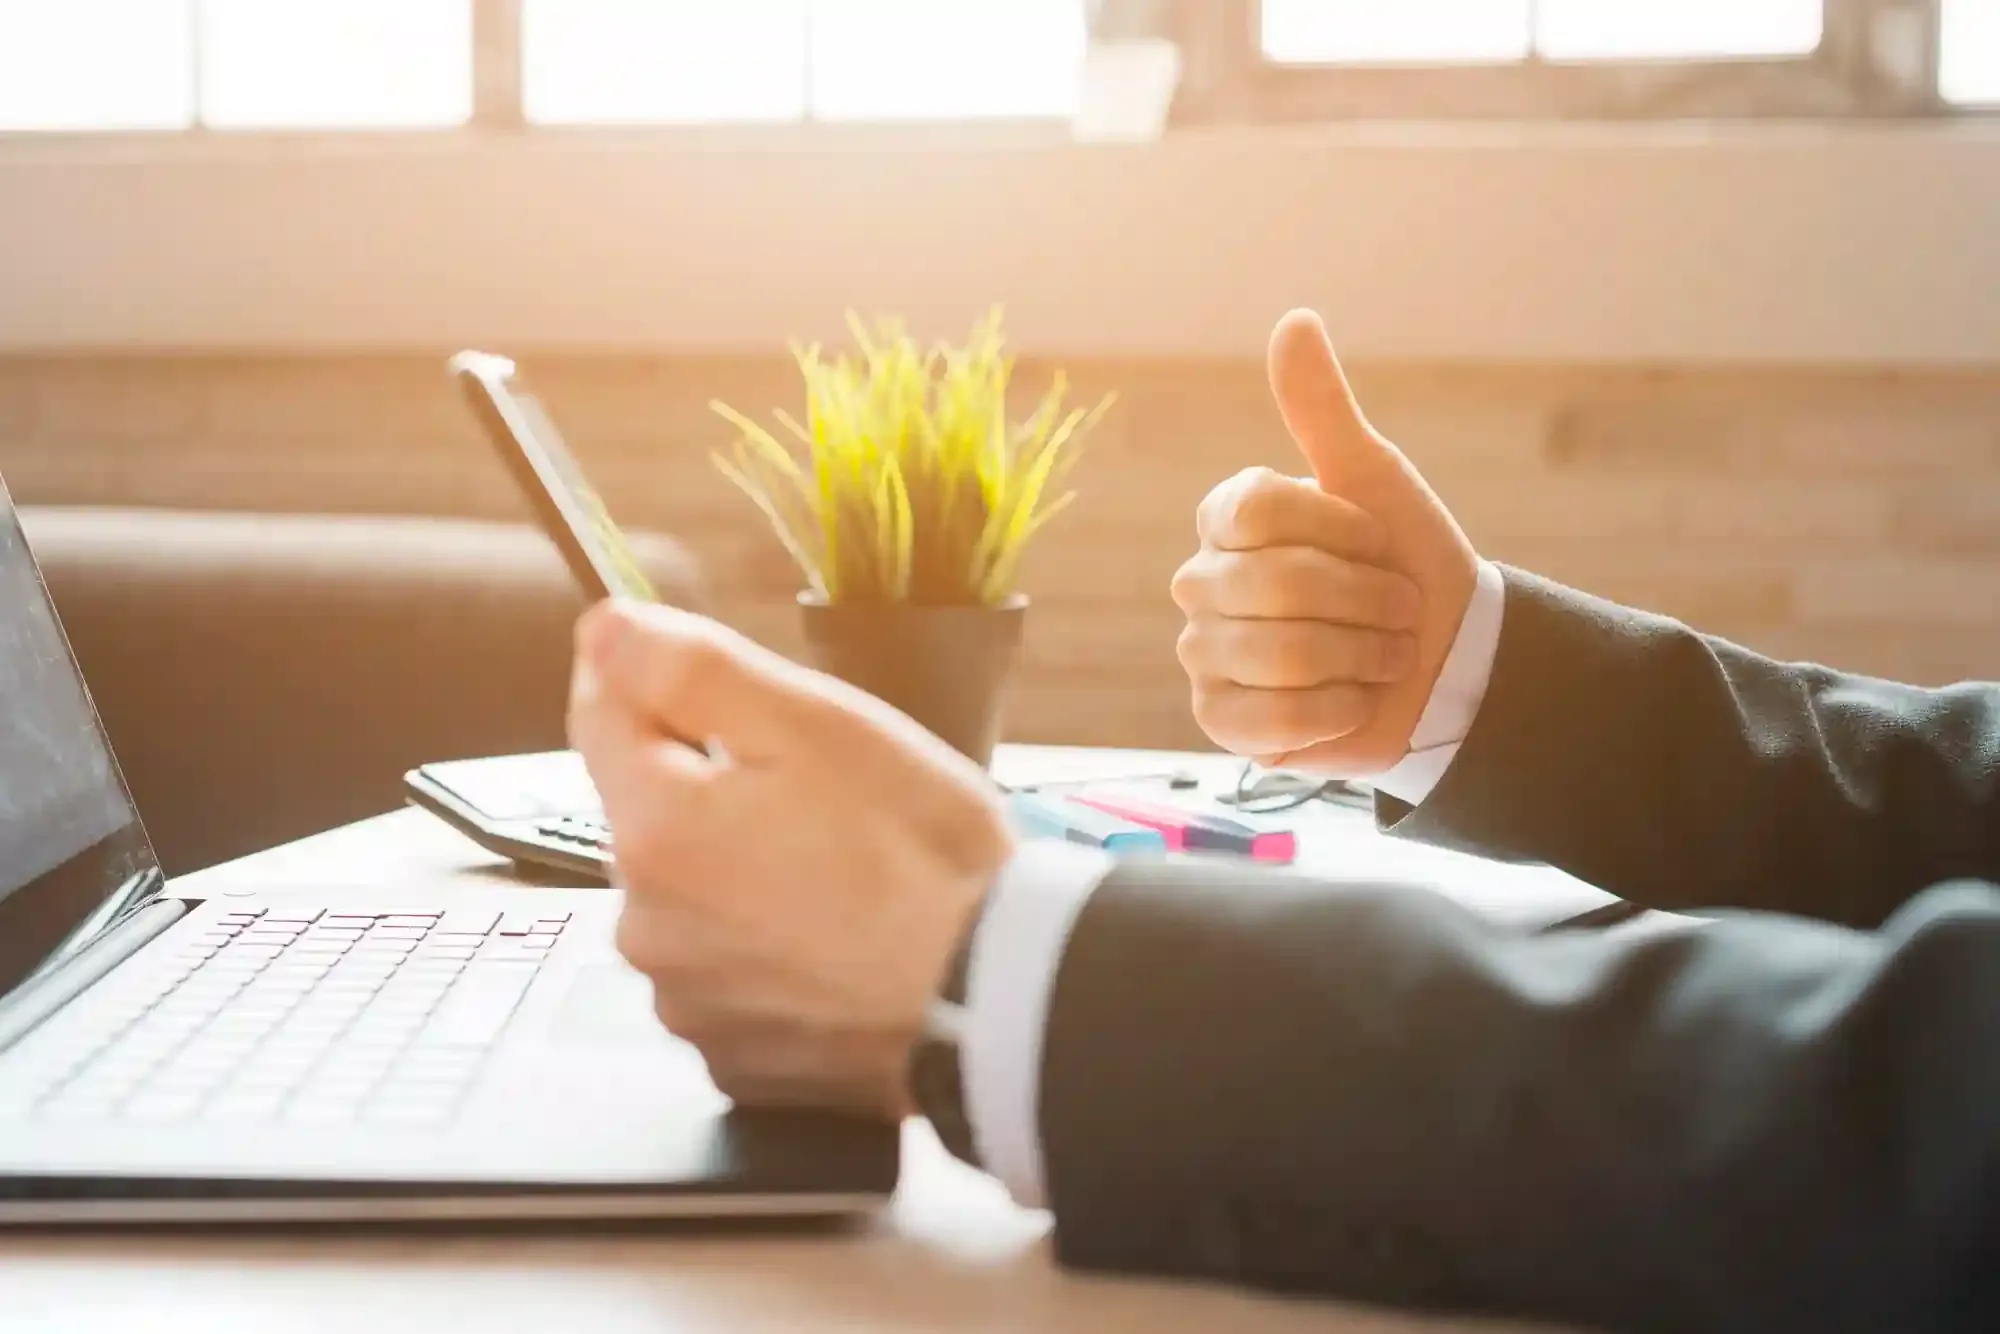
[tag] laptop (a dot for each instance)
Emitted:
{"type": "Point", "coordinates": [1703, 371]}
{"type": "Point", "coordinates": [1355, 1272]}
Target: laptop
{"type": "Point", "coordinates": [416, 1053]}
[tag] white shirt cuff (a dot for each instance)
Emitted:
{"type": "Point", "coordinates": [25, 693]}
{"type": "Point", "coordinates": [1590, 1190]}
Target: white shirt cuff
{"type": "Point", "coordinates": [1455, 699]}
{"type": "Point", "coordinates": [1010, 971]}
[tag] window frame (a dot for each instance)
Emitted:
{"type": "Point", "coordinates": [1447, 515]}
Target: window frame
{"type": "Point", "coordinates": [1227, 80]}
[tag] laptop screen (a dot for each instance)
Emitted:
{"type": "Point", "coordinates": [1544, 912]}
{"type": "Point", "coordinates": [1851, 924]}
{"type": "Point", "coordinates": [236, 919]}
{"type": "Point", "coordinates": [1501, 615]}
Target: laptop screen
{"type": "Point", "coordinates": [69, 836]}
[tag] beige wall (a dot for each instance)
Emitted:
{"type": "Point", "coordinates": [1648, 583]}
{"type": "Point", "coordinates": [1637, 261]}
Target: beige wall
{"type": "Point", "coordinates": [1848, 517]}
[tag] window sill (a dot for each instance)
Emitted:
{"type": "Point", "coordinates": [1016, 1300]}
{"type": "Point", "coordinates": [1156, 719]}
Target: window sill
{"type": "Point", "coordinates": [1822, 244]}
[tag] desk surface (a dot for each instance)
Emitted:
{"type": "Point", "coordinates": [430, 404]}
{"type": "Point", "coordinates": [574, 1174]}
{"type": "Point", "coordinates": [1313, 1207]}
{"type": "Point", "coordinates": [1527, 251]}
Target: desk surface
{"type": "Point", "coordinates": [950, 1253]}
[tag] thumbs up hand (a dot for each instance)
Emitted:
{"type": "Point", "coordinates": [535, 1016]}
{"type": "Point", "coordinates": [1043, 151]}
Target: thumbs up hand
{"type": "Point", "coordinates": [1319, 613]}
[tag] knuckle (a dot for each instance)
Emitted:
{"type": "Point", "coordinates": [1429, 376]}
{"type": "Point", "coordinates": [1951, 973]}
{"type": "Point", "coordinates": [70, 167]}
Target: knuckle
{"type": "Point", "coordinates": [1239, 584]}
{"type": "Point", "coordinates": [627, 940]}
{"type": "Point", "coordinates": [686, 1009]}
{"type": "Point", "coordinates": [1259, 502]}
{"type": "Point", "coordinates": [1190, 582]}
{"type": "Point", "coordinates": [700, 665]}
{"type": "Point", "coordinates": [636, 940]}
{"type": "Point", "coordinates": [1219, 515]}
{"type": "Point", "coordinates": [1209, 514]}
{"type": "Point", "coordinates": [728, 1079]}
{"type": "Point", "coordinates": [694, 1024]}
{"type": "Point", "coordinates": [740, 1081]}
{"type": "Point", "coordinates": [673, 1016]}
{"type": "Point", "coordinates": [1187, 648]}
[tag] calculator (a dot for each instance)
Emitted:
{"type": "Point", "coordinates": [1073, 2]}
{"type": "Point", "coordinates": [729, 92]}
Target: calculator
{"type": "Point", "coordinates": [537, 809]}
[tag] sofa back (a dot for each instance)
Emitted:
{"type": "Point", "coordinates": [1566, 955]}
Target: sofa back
{"type": "Point", "coordinates": [264, 677]}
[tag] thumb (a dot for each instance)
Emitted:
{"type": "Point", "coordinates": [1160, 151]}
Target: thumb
{"type": "Point", "coordinates": [695, 680]}
{"type": "Point", "coordinates": [1317, 403]}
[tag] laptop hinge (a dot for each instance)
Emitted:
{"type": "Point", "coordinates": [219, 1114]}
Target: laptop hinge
{"type": "Point", "coordinates": [119, 904]}
{"type": "Point", "coordinates": [32, 1002]}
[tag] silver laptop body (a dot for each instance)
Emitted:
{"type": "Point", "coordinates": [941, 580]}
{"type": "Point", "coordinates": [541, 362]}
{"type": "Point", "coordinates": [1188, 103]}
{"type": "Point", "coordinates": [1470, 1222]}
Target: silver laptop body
{"type": "Point", "coordinates": [399, 1054]}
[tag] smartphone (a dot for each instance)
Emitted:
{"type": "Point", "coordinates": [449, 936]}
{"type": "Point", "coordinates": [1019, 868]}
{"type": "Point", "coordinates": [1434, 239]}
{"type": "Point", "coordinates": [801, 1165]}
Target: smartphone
{"type": "Point", "coordinates": [568, 507]}
{"type": "Point", "coordinates": [536, 809]}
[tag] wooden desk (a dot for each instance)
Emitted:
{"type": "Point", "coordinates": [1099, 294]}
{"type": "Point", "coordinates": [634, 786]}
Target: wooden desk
{"type": "Point", "coordinates": [951, 1252]}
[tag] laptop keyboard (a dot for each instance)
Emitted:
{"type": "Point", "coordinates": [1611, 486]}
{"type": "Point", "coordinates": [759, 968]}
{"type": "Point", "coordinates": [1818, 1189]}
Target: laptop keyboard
{"type": "Point", "coordinates": [302, 1017]}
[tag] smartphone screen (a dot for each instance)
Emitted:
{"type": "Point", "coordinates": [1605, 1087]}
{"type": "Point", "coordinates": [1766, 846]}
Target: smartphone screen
{"type": "Point", "coordinates": [563, 499]}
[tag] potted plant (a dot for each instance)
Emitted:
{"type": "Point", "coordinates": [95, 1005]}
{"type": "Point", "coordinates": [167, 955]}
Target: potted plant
{"type": "Point", "coordinates": [906, 497]}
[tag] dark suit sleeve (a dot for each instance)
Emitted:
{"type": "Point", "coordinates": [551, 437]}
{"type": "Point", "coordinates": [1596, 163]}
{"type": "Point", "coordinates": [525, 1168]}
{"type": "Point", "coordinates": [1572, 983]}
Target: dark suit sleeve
{"type": "Point", "coordinates": [1681, 771]}
{"type": "Point", "coordinates": [1756, 1124]}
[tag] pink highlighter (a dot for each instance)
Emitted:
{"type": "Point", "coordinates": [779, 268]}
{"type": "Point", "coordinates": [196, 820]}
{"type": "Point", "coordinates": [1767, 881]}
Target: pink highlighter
{"type": "Point", "coordinates": [1187, 831]}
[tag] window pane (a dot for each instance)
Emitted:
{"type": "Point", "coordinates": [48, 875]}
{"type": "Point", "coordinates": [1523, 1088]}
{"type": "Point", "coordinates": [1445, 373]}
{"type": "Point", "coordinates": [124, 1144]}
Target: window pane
{"type": "Point", "coordinates": [305, 64]}
{"type": "Point", "coordinates": [1676, 29]}
{"type": "Point", "coordinates": [632, 61]}
{"type": "Point", "coordinates": [923, 59]}
{"type": "Point", "coordinates": [96, 64]}
{"type": "Point", "coordinates": [1310, 32]}
{"type": "Point", "coordinates": [1969, 62]}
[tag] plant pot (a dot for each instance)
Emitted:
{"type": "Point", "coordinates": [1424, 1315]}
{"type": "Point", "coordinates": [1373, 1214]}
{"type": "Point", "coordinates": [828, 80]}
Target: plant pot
{"type": "Point", "coordinates": [945, 666]}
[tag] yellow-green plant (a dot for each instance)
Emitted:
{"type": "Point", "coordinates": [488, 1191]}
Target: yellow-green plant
{"type": "Point", "coordinates": [908, 481]}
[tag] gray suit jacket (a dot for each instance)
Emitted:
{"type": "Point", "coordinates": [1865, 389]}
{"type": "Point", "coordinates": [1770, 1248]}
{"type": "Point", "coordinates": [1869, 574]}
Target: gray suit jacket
{"type": "Point", "coordinates": [1769, 1123]}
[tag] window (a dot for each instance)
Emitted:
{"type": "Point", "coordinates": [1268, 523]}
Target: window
{"type": "Point", "coordinates": [1478, 31]}
{"type": "Point", "coordinates": [234, 64]}
{"type": "Point", "coordinates": [919, 59]}
{"type": "Point", "coordinates": [1969, 52]}
{"type": "Point", "coordinates": [96, 64]}
{"type": "Point", "coordinates": [1611, 59]}
{"type": "Point", "coordinates": [510, 66]}
{"type": "Point", "coordinates": [634, 61]}
{"type": "Point", "coordinates": [354, 64]}
{"type": "Point", "coordinates": [1677, 29]}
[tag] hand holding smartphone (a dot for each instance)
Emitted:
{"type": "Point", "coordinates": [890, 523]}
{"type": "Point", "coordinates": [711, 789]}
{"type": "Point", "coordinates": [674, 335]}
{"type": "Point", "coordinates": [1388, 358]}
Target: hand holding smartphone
{"type": "Point", "coordinates": [568, 507]}
{"type": "Point", "coordinates": [529, 807]}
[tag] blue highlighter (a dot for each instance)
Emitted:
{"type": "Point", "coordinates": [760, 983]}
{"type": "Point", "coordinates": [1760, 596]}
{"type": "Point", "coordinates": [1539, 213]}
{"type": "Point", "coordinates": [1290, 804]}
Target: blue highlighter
{"type": "Point", "coordinates": [1039, 816]}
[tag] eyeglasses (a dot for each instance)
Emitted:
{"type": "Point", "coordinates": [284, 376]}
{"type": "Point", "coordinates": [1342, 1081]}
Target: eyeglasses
{"type": "Point", "coordinates": [1273, 791]}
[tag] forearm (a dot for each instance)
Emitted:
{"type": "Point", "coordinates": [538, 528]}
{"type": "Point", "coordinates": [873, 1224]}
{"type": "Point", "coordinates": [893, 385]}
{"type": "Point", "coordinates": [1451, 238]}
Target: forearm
{"type": "Point", "coordinates": [1683, 771]}
{"type": "Point", "coordinates": [1364, 1091]}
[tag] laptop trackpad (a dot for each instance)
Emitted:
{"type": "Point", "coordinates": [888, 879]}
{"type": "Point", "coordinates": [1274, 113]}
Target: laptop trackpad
{"type": "Point", "coordinates": [608, 1003]}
